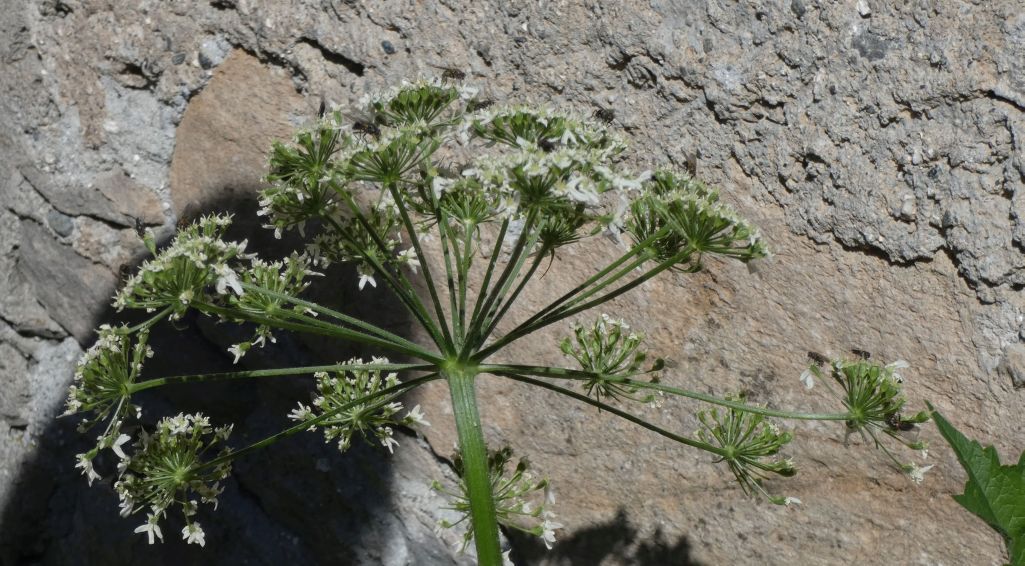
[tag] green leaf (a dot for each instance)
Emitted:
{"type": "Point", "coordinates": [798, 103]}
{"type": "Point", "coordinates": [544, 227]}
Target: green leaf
{"type": "Point", "coordinates": [995, 493]}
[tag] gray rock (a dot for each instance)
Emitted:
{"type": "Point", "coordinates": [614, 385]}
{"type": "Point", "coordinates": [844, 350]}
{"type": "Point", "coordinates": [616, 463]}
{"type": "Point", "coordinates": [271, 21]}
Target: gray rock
{"type": "Point", "coordinates": [60, 223]}
{"type": "Point", "coordinates": [212, 52]}
{"type": "Point", "coordinates": [879, 152]}
{"type": "Point", "coordinates": [52, 269]}
{"type": "Point", "coordinates": [1012, 365]}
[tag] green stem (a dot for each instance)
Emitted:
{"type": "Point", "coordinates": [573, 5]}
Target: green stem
{"type": "Point", "coordinates": [401, 286]}
{"type": "Point", "coordinates": [561, 314]}
{"type": "Point", "coordinates": [450, 277]}
{"type": "Point", "coordinates": [306, 425]}
{"type": "Point", "coordinates": [319, 327]}
{"type": "Point", "coordinates": [476, 471]}
{"type": "Point", "coordinates": [277, 372]}
{"type": "Point", "coordinates": [492, 262]}
{"type": "Point", "coordinates": [464, 272]}
{"type": "Point", "coordinates": [512, 297]}
{"type": "Point", "coordinates": [336, 315]}
{"type": "Point", "coordinates": [146, 324]}
{"type": "Point", "coordinates": [525, 242]}
{"type": "Point", "coordinates": [564, 373]}
{"type": "Point", "coordinates": [622, 414]}
{"type": "Point", "coordinates": [393, 188]}
{"type": "Point", "coordinates": [637, 248]}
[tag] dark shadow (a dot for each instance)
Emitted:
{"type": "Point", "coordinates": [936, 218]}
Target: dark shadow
{"type": "Point", "coordinates": [297, 502]}
{"type": "Point", "coordinates": [615, 541]}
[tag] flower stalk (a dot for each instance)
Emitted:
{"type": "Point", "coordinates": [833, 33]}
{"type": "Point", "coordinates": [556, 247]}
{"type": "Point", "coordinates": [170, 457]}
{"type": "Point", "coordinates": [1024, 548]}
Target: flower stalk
{"type": "Point", "coordinates": [461, 383]}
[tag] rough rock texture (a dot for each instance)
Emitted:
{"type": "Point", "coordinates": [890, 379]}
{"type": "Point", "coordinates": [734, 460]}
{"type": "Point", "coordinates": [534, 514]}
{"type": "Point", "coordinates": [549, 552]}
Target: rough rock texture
{"type": "Point", "coordinates": [878, 145]}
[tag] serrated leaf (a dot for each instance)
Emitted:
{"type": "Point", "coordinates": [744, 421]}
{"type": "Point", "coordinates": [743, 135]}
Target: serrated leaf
{"type": "Point", "coordinates": [994, 493]}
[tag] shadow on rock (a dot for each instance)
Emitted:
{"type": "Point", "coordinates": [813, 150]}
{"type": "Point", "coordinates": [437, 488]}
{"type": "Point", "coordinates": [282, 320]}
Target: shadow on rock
{"type": "Point", "coordinates": [615, 542]}
{"type": "Point", "coordinates": [299, 501]}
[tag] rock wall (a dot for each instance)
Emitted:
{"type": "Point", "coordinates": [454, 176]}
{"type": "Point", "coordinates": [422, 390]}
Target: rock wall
{"type": "Point", "coordinates": [878, 145]}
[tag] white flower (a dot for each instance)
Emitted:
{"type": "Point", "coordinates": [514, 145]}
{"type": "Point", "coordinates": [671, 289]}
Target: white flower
{"type": "Point", "coordinates": [808, 378]}
{"type": "Point", "coordinates": [117, 446]}
{"type": "Point", "coordinates": [917, 474]}
{"type": "Point", "coordinates": [193, 534]}
{"type": "Point", "coordinates": [788, 501]}
{"type": "Point", "coordinates": [416, 416]}
{"type": "Point", "coordinates": [86, 463]}
{"type": "Point", "coordinates": [548, 531]}
{"type": "Point", "coordinates": [301, 414]}
{"type": "Point", "coordinates": [152, 529]}
{"type": "Point", "coordinates": [365, 278]}
{"type": "Point", "coordinates": [410, 258]}
{"type": "Point", "coordinates": [226, 277]}
{"type": "Point", "coordinates": [239, 350]}
{"type": "Point", "coordinates": [388, 441]}
{"type": "Point", "coordinates": [895, 367]}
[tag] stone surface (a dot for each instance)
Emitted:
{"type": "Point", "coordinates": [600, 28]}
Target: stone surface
{"type": "Point", "coordinates": [877, 144]}
{"type": "Point", "coordinates": [222, 142]}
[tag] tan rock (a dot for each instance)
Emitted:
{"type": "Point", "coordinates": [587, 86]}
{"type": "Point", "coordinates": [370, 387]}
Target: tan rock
{"type": "Point", "coordinates": [221, 145]}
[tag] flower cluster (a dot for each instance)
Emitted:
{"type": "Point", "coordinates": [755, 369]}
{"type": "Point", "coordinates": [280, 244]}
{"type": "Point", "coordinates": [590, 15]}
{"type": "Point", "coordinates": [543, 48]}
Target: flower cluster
{"type": "Point", "coordinates": [516, 504]}
{"type": "Point", "coordinates": [304, 177]}
{"type": "Point", "coordinates": [425, 106]}
{"type": "Point", "coordinates": [679, 219]}
{"type": "Point", "coordinates": [181, 273]}
{"type": "Point", "coordinates": [171, 466]}
{"type": "Point", "coordinates": [541, 129]}
{"type": "Point", "coordinates": [873, 397]}
{"type": "Point", "coordinates": [609, 350]}
{"type": "Point", "coordinates": [105, 374]}
{"type": "Point", "coordinates": [351, 402]}
{"type": "Point", "coordinates": [750, 447]}
{"type": "Point", "coordinates": [285, 277]}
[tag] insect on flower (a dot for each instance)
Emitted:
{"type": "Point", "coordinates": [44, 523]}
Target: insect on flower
{"type": "Point", "coordinates": [450, 73]}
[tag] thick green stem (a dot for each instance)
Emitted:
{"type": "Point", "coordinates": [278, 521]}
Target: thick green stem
{"type": "Point", "coordinates": [475, 465]}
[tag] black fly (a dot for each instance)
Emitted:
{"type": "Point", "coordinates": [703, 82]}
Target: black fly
{"type": "Point", "coordinates": [863, 354]}
{"type": "Point", "coordinates": [366, 128]}
{"type": "Point", "coordinates": [895, 422]}
{"type": "Point", "coordinates": [450, 73]}
{"type": "Point", "coordinates": [475, 105]}
{"type": "Point", "coordinates": [818, 358]}
{"type": "Point", "coordinates": [188, 215]}
{"type": "Point", "coordinates": [604, 115]}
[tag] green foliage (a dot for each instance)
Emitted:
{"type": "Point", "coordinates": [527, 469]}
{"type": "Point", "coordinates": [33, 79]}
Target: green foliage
{"type": "Point", "coordinates": [995, 493]}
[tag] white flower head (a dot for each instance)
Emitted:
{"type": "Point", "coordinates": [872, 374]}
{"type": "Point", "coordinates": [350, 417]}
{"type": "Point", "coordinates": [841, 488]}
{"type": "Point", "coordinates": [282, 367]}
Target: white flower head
{"type": "Point", "coordinates": [365, 277]}
{"type": "Point", "coordinates": [895, 368]}
{"type": "Point", "coordinates": [151, 528]}
{"type": "Point", "coordinates": [86, 463]}
{"type": "Point", "coordinates": [917, 474]}
{"type": "Point", "coordinates": [808, 378]}
{"type": "Point", "coordinates": [226, 277]}
{"type": "Point", "coordinates": [120, 441]}
{"type": "Point", "coordinates": [193, 534]}
{"type": "Point", "coordinates": [239, 350]}
{"type": "Point", "coordinates": [548, 530]}
{"type": "Point", "coordinates": [416, 417]}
